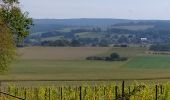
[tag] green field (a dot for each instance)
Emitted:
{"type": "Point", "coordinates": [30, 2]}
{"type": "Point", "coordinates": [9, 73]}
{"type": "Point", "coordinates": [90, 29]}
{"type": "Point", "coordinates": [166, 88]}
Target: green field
{"type": "Point", "coordinates": [44, 69]}
{"type": "Point", "coordinates": [149, 62]}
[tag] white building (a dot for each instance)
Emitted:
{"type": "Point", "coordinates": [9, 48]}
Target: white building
{"type": "Point", "coordinates": [143, 39]}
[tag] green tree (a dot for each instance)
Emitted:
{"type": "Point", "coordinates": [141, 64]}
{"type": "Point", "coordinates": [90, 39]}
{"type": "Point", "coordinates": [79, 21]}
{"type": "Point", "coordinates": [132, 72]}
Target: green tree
{"type": "Point", "coordinates": [17, 21]}
{"type": "Point", "coordinates": [114, 56]}
{"type": "Point", "coordinates": [75, 43]}
{"type": "Point", "coordinates": [14, 27]}
{"type": "Point", "coordinates": [7, 48]}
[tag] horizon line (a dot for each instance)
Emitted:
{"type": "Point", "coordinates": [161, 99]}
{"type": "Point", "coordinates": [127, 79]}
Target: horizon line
{"type": "Point", "coordinates": [102, 18]}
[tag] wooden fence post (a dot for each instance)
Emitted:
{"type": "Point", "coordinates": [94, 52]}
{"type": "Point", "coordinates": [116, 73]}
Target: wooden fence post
{"type": "Point", "coordinates": [61, 91]}
{"type": "Point", "coordinates": [156, 94]}
{"type": "Point", "coordinates": [80, 93]}
{"type": "Point", "coordinates": [123, 89]}
{"type": "Point", "coordinates": [95, 89]}
{"type": "Point", "coordinates": [25, 94]}
{"type": "Point", "coordinates": [116, 92]}
{"type": "Point", "coordinates": [45, 94]}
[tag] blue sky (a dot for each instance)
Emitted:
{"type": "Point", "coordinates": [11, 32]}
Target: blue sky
{"type": "Point", "coordinates": [122, 9]}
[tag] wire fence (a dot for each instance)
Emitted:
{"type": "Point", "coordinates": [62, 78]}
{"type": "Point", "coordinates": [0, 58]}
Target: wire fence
{"type": "Point", "coordinates": [119, 91]}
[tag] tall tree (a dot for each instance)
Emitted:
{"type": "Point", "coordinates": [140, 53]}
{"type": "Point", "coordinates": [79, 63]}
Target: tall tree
{"type": "Point", "coordinates": [7, 48]}
{"type": "Point", "coordinates": [14, 27]}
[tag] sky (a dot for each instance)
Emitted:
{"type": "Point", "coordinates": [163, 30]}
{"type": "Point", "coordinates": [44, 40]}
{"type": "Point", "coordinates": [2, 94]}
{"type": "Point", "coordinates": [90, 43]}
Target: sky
{"type": "Point", "coordinates": [117, 9]}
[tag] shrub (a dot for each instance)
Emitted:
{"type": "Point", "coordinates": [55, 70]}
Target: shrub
{"type": "Point", "coordinates": [114, 56]}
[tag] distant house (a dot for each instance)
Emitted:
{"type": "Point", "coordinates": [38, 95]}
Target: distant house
{"type": "Point", "coordinates": [143, 39]}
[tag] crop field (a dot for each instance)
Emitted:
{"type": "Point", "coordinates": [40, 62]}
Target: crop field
{"type": "Point", "coordinates": [113, 91]}
{"type": "Point", "coordinates": [150, 62]}
{"type": "Point", "coordinates": [60, 53]}
{"type": "Point", "coordinates": [68, 63]}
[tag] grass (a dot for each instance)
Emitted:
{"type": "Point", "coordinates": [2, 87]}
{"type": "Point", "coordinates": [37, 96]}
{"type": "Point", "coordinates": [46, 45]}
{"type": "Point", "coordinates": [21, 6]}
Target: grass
{"type": "Point", "coordinates": [78, 70]}
{"type": "Point", "coordinates": [69, 63]}
{"type": "Point", "coordinates": [150, 62]}
{"type": "Point", "coordinates": [62, 67]}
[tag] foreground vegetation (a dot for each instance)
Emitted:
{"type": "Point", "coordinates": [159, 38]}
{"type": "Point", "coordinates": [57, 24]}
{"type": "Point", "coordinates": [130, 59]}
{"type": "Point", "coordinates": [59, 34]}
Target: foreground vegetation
{"type": "Point", "coordinates": [113, 91]}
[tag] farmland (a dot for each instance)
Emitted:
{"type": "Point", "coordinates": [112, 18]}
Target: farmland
{"type": "Point", "coordinates": [60, 53]}
{"type": "Point", "coordinates": [89, 56]}
{"type": "Point", "coordinates": [87, 79]}
{"type": "Point", "coordinates": [69, 64]}
{"type": "Point", "coordinates": [150, 62]}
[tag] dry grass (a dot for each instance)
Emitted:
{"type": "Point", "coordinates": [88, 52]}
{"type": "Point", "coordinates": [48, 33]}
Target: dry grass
{"type": "Point", "coordinates": [60, 53]}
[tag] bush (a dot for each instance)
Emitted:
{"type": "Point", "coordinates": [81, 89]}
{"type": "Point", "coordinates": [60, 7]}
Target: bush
{"type": "Point", "coordinates": [114, 56]}
{"type": "Point", "coordinates": [122, 45]}
{"type": "Point", "coordinates": [96, 58]}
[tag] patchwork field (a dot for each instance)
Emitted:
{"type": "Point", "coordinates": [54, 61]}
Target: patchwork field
{"type": "Point", "coordinates": [69, 64]}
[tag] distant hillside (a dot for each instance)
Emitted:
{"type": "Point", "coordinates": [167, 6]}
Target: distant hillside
{"type": "Point", "coordinates": [144, 25]}
{"type": "Point", "coordinates": [41, 25]}
{"type": "Point", "coordinates": [81, 22]}
{"type": "Point", "coordinates": [45, 25]}
{"type": "Point", "coordinates": [97, 32]}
